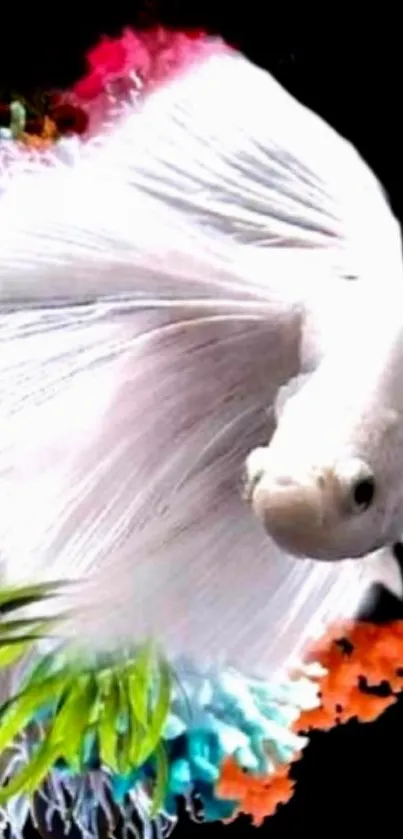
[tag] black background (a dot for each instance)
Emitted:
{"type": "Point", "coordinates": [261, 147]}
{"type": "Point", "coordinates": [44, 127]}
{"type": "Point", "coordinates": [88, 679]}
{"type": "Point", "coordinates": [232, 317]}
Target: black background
{"type": "Point", "coordinates": [350, 779]}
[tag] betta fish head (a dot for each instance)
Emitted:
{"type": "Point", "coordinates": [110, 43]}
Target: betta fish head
{"type": "Point", "coordinates": [330, 483]}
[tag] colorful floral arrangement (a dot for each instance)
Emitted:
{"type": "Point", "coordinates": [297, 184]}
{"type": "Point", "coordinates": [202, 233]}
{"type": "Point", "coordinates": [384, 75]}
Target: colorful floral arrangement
{"type": "Point", "coordinates": [41, 124]}
{"type": "Point", "coordinates": [117, 68]}
{"type": "Point", "coordinates": [133, 735]}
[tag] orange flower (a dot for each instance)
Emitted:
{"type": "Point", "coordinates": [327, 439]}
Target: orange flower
{"type": "Point", "coordinates": [44, 139]}
{"type": "Point", "coordinates": [34, 141]}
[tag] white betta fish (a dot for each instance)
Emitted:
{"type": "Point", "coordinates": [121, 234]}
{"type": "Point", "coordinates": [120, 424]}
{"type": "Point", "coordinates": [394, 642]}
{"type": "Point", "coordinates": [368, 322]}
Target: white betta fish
{"type": "Point", "coordinates": [328, 485]}
{"type": "Point", "coordinates": [215, 280]}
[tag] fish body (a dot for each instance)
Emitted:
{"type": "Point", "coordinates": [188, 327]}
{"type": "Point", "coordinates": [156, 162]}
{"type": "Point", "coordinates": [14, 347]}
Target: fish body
{"type": "Point", "coordinates": [329, 485]}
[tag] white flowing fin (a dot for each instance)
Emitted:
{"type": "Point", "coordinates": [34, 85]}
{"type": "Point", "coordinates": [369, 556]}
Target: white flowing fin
{"type": "Point", "coordinates": [221, 153]}
{"type": "Point", "coordinates": [124, 423]}
{"type": "Point", "coordinates": [122, 436]}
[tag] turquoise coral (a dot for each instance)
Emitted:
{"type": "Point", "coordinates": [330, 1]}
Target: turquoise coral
{"type": "Point", "coordinates": [212, 716]}
{"type": "Point", "coordinates": [225, 715]}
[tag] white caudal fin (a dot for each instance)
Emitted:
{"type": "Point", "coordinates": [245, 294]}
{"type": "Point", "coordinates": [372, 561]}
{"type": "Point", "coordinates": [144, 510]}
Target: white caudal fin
{"type": "Point", "coordinates": [218, 156]}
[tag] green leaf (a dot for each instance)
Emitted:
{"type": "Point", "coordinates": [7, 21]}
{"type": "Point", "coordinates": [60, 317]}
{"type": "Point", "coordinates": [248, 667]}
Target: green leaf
{"type": "Point", "coordinates": [65, 736]}
{"type": "Point", "coordinates": [140, 682]}
{"type": "Point", "coordinates": [12, 598]}
{"type": "Point", "coordinates": [125, 739]}
{"type": "Point", "coordinates": [18, 117]}
{"type": "Point", "coordinates": [107, 723]}
{"type": "Point", "coordinates": [21, 642]}
{"type": "Point", "coordinates": [71, 720]}
{"type": "Point", "coordinates": [22, 708]}
{"type": "Point", "coordinates": [161, 780]}
{"type": "Point", "coordinates": [48, 665]}
{"type": "Point", "coordinates": [11, 641]}
{"type": "Point", "coordinates": [137, 736]}
{"type": "Point", "coordinates": [35, 625]}
{"type": "Point", "coordinates": [11, 652]}
{"type": "Point", "coordinates": [72, 715]}
{"type": "Point", "coordinates": [158, 714]}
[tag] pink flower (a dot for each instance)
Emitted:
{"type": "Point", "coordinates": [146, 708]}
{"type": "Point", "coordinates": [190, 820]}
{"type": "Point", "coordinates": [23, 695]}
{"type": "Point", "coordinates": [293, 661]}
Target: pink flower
{"type": "Point", "coordinates": [172, 51]}
{"type": "Point", "coordinates": [153, 55]}
{"type": "Point", "coordinates": [108, 58]}
{"type": "Point", "coordinates": [138, 57]}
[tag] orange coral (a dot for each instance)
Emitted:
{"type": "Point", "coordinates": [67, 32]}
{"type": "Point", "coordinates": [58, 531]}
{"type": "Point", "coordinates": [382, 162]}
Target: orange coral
{"type": "Point", "coordinates": [258, 796]}
{"type": "Point", "coordinates": [348, 653]}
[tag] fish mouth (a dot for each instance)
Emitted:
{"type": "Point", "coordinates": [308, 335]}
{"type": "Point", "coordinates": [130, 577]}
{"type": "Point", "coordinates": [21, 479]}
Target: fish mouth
{"type": "Point", "coordinates": [292, 513]}
{"type": "Point", "coordinates": [255, 471]}
{"type": "Point", "coordinates": [249, 484]}
{"type": "Point", "coordinates": [288, 516]}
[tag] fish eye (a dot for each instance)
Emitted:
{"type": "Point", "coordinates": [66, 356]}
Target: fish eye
{"type": "Point", "coordinates": [363, 493]}
{"type": "Point", "coordinates": [357, 483]}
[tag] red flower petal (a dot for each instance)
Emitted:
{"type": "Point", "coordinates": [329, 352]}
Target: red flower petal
{"type": "Point", "coordinates": [195, 34]}
{"type": "Point", "coordinates": [70, 119]}
{"type": "Point", "coordinates": [89, 87]}
{"type": "Point", "coordinates": [108, 57]}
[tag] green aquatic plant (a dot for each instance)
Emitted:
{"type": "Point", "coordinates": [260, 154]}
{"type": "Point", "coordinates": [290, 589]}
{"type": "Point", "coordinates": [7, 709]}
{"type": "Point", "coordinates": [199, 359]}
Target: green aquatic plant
{"type": "Point", "coordinates": [19, 635]}
{"type": "Point", "coordinates": [81, 710]}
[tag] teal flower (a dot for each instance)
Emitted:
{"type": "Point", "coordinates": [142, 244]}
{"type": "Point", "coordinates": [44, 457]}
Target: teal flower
{"type": "Point", "coordinates": [222, 714]}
